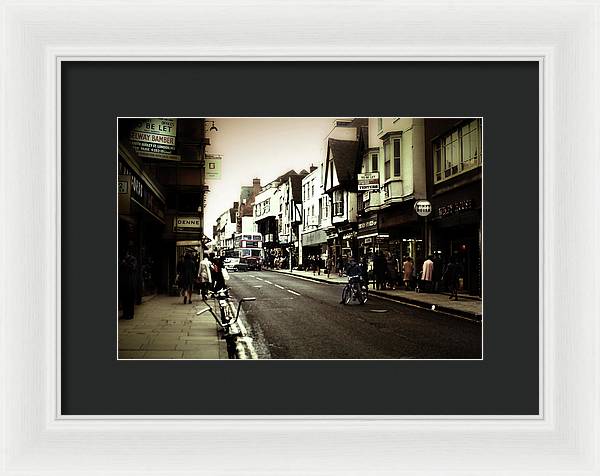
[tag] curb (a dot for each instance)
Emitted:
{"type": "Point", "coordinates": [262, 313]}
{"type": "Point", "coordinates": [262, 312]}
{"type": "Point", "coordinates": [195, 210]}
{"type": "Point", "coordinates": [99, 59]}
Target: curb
{"type": "Point", "coordinates": [400, 299]}
{"type": "Point", "coordinates": [424, 305]}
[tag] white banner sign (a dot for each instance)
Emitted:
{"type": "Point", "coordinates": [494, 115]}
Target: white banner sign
{"type": "Point", "coordinates": [155, 138]}
{"type": "Point", "coordinates": [212, 167]}
{"type": "Point", "coordinates": [368, 181]}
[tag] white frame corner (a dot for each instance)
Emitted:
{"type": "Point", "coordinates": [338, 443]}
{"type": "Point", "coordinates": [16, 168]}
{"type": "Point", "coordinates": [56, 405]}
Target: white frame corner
{"type": "Point", "coordinates": [562, 35]}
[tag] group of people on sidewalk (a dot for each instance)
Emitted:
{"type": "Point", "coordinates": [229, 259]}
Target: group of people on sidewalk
{"type": "Point", "coordinates": [389, 273]}
{"type": "Point", "coordinates": [209, 274]}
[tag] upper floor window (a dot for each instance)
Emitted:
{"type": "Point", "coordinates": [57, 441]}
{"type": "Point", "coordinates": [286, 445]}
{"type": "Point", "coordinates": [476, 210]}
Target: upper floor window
{"type": "Point", "coordinates": [375, 162]}
{"type": "Point", "coordinates": [379, 124]}
{"type": "Point", "coordinates": [392, 164]}
{"type": "Point", "coordinates": [338, 203]}
{"type": "Point", "coordinates": [457, 151]}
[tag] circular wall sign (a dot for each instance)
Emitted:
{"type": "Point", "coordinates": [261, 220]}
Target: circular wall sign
{"type": "Point", "coordinates": [423, 207]}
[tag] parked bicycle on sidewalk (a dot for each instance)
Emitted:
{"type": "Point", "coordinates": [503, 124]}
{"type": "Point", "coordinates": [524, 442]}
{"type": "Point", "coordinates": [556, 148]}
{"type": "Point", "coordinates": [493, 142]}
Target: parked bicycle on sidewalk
{"type": "Point", "coordinates": [222, 311]}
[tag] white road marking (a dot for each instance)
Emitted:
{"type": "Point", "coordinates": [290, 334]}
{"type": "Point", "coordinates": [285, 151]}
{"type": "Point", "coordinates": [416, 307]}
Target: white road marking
{"type": "Point", "coordinates": [257, 286]}
{"type": "Point", "coordinates": [260, 279]}
{"type": "Point", "coordinates": [277, 286]}
{"type": "Point", "coordinates": [293, 292]}
{"type": "Point", "coordinates": [252, 276]}
{"type": "Point", "coordinates": [268, 282]}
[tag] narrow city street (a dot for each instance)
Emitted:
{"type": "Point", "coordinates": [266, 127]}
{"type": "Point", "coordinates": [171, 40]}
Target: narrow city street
{"type": "Point", "coordinates": [297, 318]}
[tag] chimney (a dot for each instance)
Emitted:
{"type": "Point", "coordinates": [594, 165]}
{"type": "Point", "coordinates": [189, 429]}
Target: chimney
{"type": "Point", "coordinates": [255, 182]}
{"type": "Point", "coordinates": [312, 168]}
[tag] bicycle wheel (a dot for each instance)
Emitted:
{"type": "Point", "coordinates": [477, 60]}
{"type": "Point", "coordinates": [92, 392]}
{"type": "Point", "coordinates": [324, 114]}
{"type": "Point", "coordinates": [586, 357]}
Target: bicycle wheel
{"type": "Point", "coordinates": [224, 315]}
{"type": "Point", "coordinates": [363, 295]}
{"type": "Point", "coordinates": [346, 295]}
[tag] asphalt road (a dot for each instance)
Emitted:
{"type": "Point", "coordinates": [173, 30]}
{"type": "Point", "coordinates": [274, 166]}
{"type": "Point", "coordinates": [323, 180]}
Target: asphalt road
{"type": "Point", "coordinates": [295, 318]}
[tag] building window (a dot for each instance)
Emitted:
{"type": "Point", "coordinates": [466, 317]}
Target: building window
{"type": "Point", "coordinates": [396, 150]}
{"type": "Point", "coordinates": [457, 151]}
{"type": "Point", "coordinates": [391, 154]}
{"type": "Point", "coordinates": [338, 203]}
{"type": "Point", "coordinates": [312, 188]}
{"type": "Point", "coordinates": [379, 124]}
{"type": "Point", "coordinates": [386, 161]}
{"type": "Point", "coordinates": [374, 162]}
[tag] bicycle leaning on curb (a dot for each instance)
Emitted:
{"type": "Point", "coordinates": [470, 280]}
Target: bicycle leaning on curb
{"type": "Point", "coordinates": [224, 317]}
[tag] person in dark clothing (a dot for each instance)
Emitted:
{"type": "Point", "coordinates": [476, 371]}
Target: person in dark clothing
{"type": "Point", "coordinates": [218, 280]}
{"type": "Point", "coordinates": [451, 277]}
{"type": "Point", "coordinates": [127, 284]}
{"type": "Point", "coordinates": [379, 269]}
{"type": "Point", "coordinates": [365, 273]}
{"type": "Point", "coordinates": [187, 277]}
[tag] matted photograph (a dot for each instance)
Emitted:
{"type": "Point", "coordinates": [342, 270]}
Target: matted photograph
{"type": "Point", "coordinates": [299, 238]}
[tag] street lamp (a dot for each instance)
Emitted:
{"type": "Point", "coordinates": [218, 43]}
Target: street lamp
{"type": "Point", "coordinates": [212, 127]}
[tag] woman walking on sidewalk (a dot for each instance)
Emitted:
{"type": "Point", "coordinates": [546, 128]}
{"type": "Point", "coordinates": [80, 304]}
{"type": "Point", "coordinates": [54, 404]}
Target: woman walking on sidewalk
{"type": "Point", "coordinates": [188, 276]}
{"type": "Point", "coordinates": [451, 277]}
{"type": "Point", "coordinates": [407, 268]}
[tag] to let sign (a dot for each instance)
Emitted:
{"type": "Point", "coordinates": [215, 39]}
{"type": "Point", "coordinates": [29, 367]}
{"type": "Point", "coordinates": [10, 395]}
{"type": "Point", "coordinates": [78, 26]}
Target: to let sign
{"type": "Point", "coordinates": [155, 138]}
{"type": "Point", "coordinates": [368, 181]}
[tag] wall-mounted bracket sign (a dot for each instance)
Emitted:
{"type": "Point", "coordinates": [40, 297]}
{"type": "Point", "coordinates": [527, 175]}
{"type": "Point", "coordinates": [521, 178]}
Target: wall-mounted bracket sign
{"type": "Point", "coordinates": [368, 181]}
{"type": "Point", "coordinates": [423, 207]}
{"type": "Point", "coordinates": [189, 223]}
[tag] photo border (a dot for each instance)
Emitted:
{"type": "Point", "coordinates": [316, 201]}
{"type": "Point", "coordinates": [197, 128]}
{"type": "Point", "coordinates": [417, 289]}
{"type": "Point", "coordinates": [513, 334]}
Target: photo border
{"type": "Point", "coordinates": [564, 440]}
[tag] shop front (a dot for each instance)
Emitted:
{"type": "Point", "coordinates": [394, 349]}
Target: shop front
{"type": "Point", "coordinates": [406, 232]}
{"type": "Point", "coordinates": [456, 231]}
{"type": "Point", "coordinates": [314, 247]}
{"type": "Point", "coordinates": [141, 210]}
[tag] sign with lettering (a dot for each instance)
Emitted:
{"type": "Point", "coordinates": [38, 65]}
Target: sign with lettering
{"type": "Point", "coordinates": [155, 138]}
{"type": "Point", "coordinates": [124, 192]}
{"type": "Point", "coordinates": [423, 207]}
{"type": "Point", "coordinates": [212, 167]}
{"type": "Point", "coordinates": [139, 192]}
{"type": "Point", "coordinates": [455, 207]}
{"type": "Point", "coordinates": [367, 224]}
{"type": "Point", "coordinates": [368, 181]}
{"type": "Point", "coordinates": [190, 223]}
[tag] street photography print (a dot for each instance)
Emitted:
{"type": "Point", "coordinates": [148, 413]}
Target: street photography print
{"type": "Point", "coordinates": [299, 238]}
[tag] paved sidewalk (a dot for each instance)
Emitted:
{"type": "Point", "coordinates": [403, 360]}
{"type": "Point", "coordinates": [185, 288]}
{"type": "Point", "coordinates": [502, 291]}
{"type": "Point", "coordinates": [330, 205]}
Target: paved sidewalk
{"type": "Point", "coordinates": [464, 307]}
{"type": "Point", "coordinates": [165, 328]}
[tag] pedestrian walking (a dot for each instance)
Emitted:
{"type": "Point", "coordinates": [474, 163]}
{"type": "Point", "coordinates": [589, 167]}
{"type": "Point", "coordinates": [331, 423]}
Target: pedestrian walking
{"type": "Point", "coordinates": [379, 266]}
{"type": "Point", "coordinates": [328, 265]}
{"type": "Point", "coordinates": [188, 277]}
{"type": "Point", "coordinates": [427, 273]}
{"type": "Point", "coordinates": [128, 284]}
{"type": "Point", "coordinates": [451, 277]}
{"type": "Point", "coordinates": [407, 271]}
{"type": "Point", "coordinates": [205, 276]}
{"type": "Point", "coordinates": [392, 270]}
{"type": "Point", "coordinates": [218, 273]}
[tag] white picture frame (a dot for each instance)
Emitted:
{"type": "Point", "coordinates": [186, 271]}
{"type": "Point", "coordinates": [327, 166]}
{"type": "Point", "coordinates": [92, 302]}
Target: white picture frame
{"type": "Point", "coordinates": [562, 36]}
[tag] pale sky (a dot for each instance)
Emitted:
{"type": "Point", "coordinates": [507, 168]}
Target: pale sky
{"type": "Point", "coordinates": [259, 148]}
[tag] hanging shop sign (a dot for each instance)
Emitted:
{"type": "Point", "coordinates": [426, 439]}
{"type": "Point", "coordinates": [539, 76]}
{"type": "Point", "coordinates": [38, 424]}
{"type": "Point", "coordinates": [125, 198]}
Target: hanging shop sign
{"type": "Point", "coordinates": [349, 236]}
{"type": "Point", "coordinates": [212, 167]}
{"type": "Point", "coordinates": [368, 181]}
{"type": "Point", "coordinates": [423, 207]}
{"type": "Point", "coordinates": [189, 223]}
{"type": "Point", "coordinates": [155, 138]}
{"type": "Point", "coordinates": [455, 207]}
